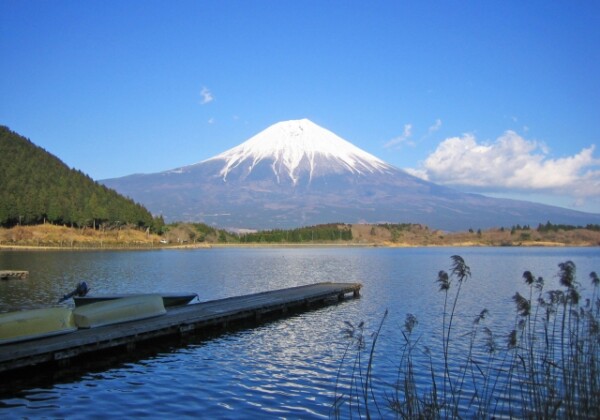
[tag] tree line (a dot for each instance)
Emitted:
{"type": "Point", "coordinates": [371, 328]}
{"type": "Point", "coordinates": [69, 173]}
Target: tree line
{"type": "Point", "coordinates": [36, 187]}
{"type": "Point", "coordinates": [319, 233]}
{"type": "Point", "coordinates": [550, 227]}
{"type": "Point", "coordinates": [200, 232]}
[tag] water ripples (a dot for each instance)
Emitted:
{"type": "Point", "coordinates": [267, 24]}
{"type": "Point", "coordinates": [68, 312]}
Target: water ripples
{"type": "Point", "coordinates": [288, 368]}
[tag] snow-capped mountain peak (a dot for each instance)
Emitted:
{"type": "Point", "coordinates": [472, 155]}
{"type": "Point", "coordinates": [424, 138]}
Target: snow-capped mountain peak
{"type": "Point", "coordinates": [298, 147]}
{"type": "Point", "coordinates": [296, 173]}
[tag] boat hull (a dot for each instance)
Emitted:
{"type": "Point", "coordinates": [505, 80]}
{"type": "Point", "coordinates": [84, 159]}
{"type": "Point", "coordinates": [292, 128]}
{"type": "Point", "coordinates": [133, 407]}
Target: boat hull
{"type": "Point", "coordinates": [168, 300]}
{"type": "Point", "coordinates": [35, 323]}
{"type": "Point", "coordinates": [116, 311]}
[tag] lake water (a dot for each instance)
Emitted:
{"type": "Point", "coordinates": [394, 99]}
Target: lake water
{"type": "Point", "coordinates": [287, 368]}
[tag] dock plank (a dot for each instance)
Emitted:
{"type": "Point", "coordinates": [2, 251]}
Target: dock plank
{"type": "Point", "coordinates": [178, 320]}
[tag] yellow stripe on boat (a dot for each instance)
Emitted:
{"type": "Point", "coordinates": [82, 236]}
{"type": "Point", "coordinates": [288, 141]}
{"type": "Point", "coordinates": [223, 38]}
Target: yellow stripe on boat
{"type": "Point", "coordinates": [118, 310]}
{"type": "Point", "coordinates": [35, 323]}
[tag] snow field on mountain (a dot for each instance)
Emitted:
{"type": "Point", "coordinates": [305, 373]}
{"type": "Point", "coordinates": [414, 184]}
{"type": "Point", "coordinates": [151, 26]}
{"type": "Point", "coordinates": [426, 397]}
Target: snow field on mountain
{"type": "Point", "coordinates": [288, 144]}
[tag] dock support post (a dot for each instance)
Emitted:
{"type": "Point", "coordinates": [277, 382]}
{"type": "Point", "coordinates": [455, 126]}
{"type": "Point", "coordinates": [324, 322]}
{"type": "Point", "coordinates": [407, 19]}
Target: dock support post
{"type": "Point", "coordinates": [63, 363]}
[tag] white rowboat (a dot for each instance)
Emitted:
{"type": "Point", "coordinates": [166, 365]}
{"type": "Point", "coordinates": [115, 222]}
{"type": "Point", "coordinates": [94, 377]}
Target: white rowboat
{"type": "Point", "coordinates": [115, 311]}
{"type": "Point", "coordinates": [35, 323]}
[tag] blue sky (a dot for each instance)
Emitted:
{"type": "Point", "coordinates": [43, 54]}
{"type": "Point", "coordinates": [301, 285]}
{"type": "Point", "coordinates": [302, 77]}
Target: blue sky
{"type": "Point", "coordinates": [496, 97]}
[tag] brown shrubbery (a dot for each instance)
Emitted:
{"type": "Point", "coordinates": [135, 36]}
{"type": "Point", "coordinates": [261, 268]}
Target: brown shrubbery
{"type": "Point", "coordinates": [48, 235]}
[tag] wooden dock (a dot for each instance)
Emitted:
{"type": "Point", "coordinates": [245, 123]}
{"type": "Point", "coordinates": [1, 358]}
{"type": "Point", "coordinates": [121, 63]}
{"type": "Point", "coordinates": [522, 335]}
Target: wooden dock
{"type": "Point", "coordinates": [181, 320]}
{"type": "Point", "coordinates": [13, 274]}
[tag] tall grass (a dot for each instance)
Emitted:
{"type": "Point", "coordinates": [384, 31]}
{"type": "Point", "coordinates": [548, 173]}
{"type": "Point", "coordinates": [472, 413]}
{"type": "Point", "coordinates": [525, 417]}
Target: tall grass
{"type": "Point", "coordinates": [546, 366]}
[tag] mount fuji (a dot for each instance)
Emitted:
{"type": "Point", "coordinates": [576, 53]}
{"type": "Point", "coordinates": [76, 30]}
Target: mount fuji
{"type": "Point", "coordinates": [296, 173]}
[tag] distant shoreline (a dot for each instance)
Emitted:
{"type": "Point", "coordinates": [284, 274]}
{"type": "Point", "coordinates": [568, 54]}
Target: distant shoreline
{"type": "Point", "coordinates": [49, 237]}
{"type": "Point", "coordinates": [15, 247]}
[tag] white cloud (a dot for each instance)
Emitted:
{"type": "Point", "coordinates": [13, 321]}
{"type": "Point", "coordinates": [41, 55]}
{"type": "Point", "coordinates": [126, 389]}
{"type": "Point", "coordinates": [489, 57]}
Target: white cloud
{"type": "Point", "coordinates": [511, 163]}
{"type": "Point", "coordinates": [419, 173]}
{"type": "Point", "coordinates": [402, 138]}
{"type": "Point", "coordinates": [206, 96]}
{"type": "Point", "coordinates": [435, 127]}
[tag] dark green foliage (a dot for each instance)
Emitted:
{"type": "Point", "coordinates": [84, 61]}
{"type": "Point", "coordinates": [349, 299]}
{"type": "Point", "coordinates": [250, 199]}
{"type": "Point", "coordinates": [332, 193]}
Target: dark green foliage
{"type": "Point", "coordinates": [198, 232]}
{"type": "Point", "coordinates": [397, 226]}
{"type": "Point", "coordinates": [396, 229]}
{"type": "Point", "coordinates": [204, 231]}
{"type": "Point", "coordinates": [549, 227]}
{"type": "Point", "coordinates": [36, 187]}
{"type": "Point", "coordinates": [318, 233]}
{"type": "Point", "coordinates": [514, 228]}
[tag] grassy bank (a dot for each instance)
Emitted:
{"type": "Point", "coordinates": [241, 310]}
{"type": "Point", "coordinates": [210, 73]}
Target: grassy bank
{"type": "Point", "coordinates": [52, 236]}
{"type": "Point", "coordinates": [183, 235]}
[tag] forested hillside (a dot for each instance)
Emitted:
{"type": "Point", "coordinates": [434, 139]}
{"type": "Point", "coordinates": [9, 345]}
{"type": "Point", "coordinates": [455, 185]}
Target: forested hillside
{"type": "Point", "coordinates": [36, 187]}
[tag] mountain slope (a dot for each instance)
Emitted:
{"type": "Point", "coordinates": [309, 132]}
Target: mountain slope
{"type": "Point", "coordinates": [296, 173]}
{"type": "Point", "coordinates": [35, 186]}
